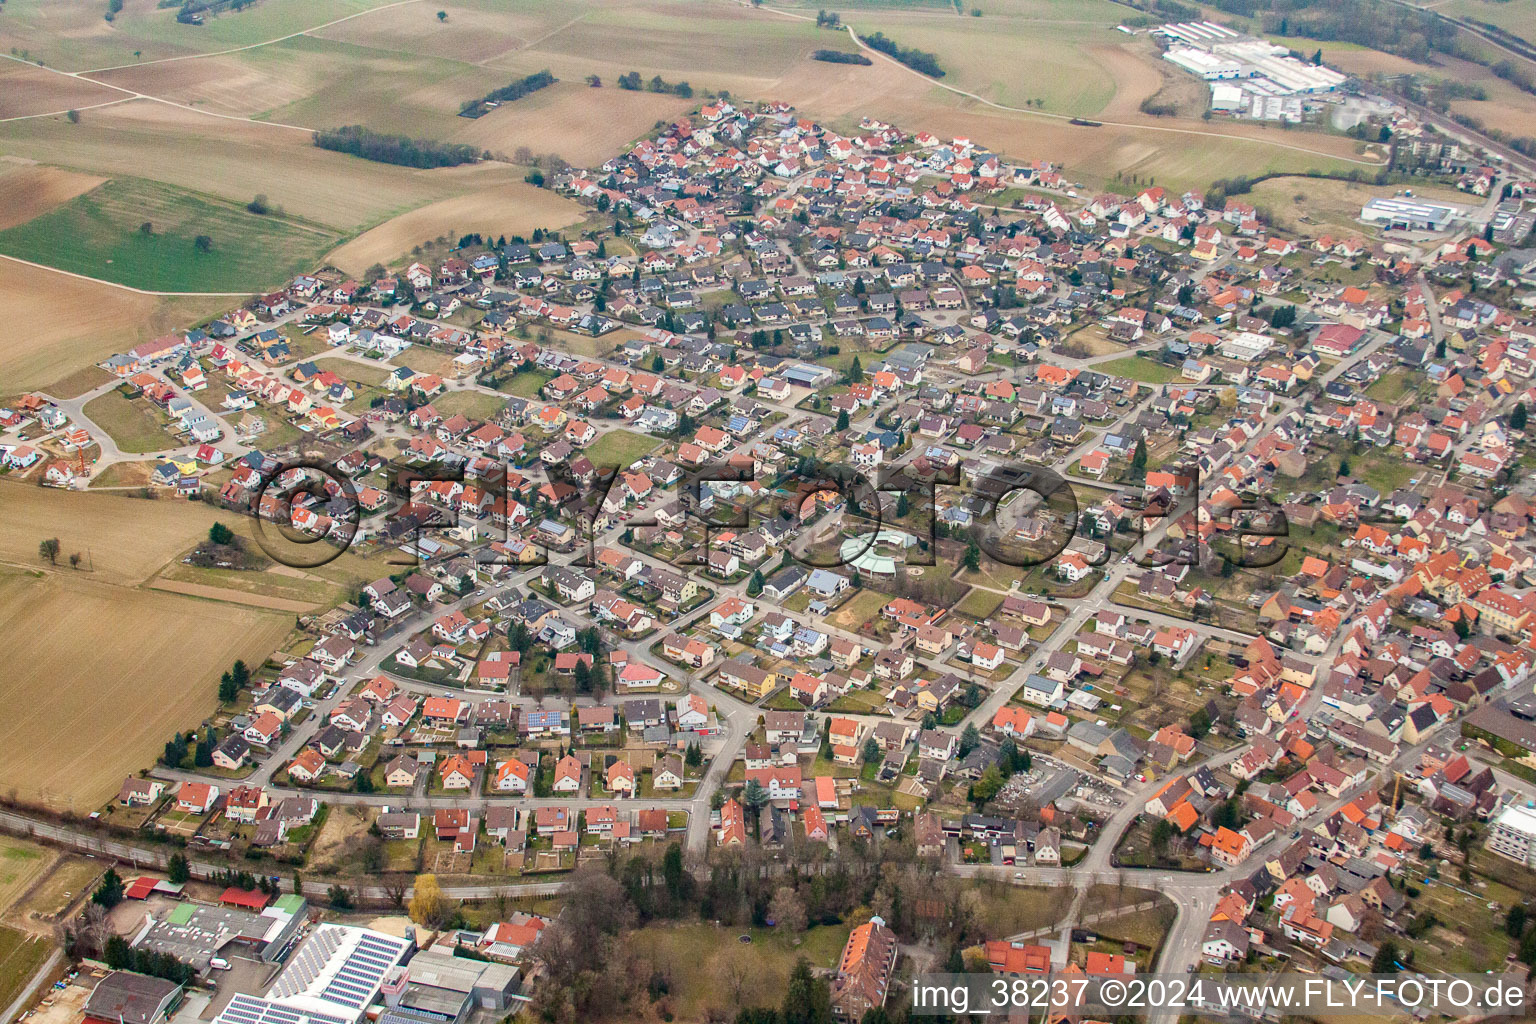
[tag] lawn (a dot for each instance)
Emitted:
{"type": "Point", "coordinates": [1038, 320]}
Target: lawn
{"type": "Point", "coordinates": [1139, 368]}
{"type": "Point", "coordinates": [696, 957]}
{"type": "Point", "coordinates": [366, 374]}
{"type": "Point", "coordinates": [1384, 474]}
{"type": "Point", "coordinates": [20, 864]}
{"type": "Point", "coordinates": [475, 405]}
{"type": "Point", "coordinates": [68, 882]}
{"type": "Point", "coordinates": [620, 448]}
{"type": "Point", "coordinates": [1390, 387]}
{"type": "Point", "coordinates": [858, 609]}
{"type": "Point", "coordinates": [101, 234]}
{"type": "Point", "coordinates": [135, 424]}
{"type": "Point", "coordinates": [1469, 938]}
{"type": "Point", "coordinates": [525, 384]}
{"type": "Point", "coordinates": [1012, 909]}
{"type": "Point", "coordinates": [978, 604]}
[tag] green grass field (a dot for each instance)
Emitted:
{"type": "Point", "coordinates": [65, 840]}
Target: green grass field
{"type": "Point", "coordinates": [620, 448]}
{"type": "Point", "coordinates": [100, 234]}
{"type": "Point", "coordinates": [135, 424]}
{"type": "Point", "coordinates": [20, 865]}
{"type": "Point", "coordinates": [73, 34]}
{"type": "Point", "coordinates": [1390, 387]}
{"type": "Point", "coordinates": [1147, 371]}
{"type": "Point", "coordinates": [20, 957]}
{"type": "Point", "coordinates": [978, 604]}
{"type": "Point", "coordinates": [475, 405]}
{"type": "Point", "coordinates": [525, 384]}
{"type": "Point", "coordinates": [696, 957]}
{"type": "Point", "coordinates": [1030, 61]}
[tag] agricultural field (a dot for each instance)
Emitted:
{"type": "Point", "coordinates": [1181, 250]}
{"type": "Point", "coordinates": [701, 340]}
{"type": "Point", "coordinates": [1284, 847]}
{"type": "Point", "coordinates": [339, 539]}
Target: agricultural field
{"type": "Point", "coordinates": [126, 539]}
{"type": "Point", "coordinates": [582, 125]}
{"type": "Point", "coordinates": [515, 208]}
{"type": "Point", "coordinates": [1516, 16]}
{"type": "Point", "coordinates": [102, 234]}
{"type": "Point", "coordinates": [1060, 61]}
{"type": "Point", "coordinates": [30, 190]}
{"type": "Point", "coordinates": [236, 160]}
{"type": "Point", "coordinates": [72, 34]}
{"type": "Point", "coordinates": [27, 91]}
{"type": "Point", "coordinates": [72, 323]}
{"type": "Point", "coordinates": [106, 653]}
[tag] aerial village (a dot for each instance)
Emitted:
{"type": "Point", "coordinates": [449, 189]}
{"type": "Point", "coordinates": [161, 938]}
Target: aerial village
{"type": "Point", "coordinates": [1316, 744]}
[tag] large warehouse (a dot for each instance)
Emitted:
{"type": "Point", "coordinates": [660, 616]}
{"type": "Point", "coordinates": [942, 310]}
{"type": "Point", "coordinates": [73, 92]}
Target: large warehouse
{"type": "Point", "coordinates": [1248, 76]}
{"type": "Point", "coordinates": [1408, 214]}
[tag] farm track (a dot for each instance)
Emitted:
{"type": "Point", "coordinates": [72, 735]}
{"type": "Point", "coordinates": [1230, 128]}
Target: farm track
{"type": "Point", "coordinates": [132, 94]}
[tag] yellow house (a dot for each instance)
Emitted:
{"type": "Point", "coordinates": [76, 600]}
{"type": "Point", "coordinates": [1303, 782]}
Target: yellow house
{"type": "Point", "coordinates": [749, 679]}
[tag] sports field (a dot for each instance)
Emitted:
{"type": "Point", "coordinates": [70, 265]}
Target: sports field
{"type": "Point", "coordinates": [143, 234]}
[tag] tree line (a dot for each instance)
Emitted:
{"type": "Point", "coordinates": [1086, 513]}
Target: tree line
{"type": "Point", "coordinates": [840, 57]}
{"type": "Point", "coordinates": [633, 83]}
{"type": "Point", "coordinates": [395, 149]}
{"type": "Point", "coordinates": [514, 90]}
{"type": "Point", "coordinates": [918, 60]}
{"type": "Point", "coordinates": [595, 969]}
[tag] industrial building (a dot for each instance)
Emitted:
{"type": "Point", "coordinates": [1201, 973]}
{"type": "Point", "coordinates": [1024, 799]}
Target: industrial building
{"type": "Point", "coordinates": [1408, 214]}
{"type": "Point", "coordinates": [196, 933]}
{"type": "Point", "coordinates": [332, 978]}
{"type": "Point", "coordinates": [441, 987]}
{"type": "Point", "coordinates": [1513, 834]}
{"type": "Point", "coordinates": [346, 975]}
{"type": "Point", "coordinates": [1249, 77]}
{"type": "Point", "coordinates": [123, 997]}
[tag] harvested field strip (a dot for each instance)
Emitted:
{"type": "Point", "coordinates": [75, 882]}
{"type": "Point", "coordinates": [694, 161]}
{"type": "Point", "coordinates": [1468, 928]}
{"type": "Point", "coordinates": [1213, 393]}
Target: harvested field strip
{"type": "Point", "coordinates": [30, 191]}
{"type": "Point", "coordinates": [232, 596]}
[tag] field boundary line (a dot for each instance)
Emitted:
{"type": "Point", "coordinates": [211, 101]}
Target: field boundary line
{"type": "Point", "coordinates": [249, 46]}
{"type": "Point", "coordinates": [530, 44]}
{"type": "Point", "coordinates": [124, 287]}
{"type": "Point", "coordinates": [132, 94]}
{"type": "Point", "coordinates": [58, 113]}
{"type": "Point", "coordinates": [1063, 117]}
